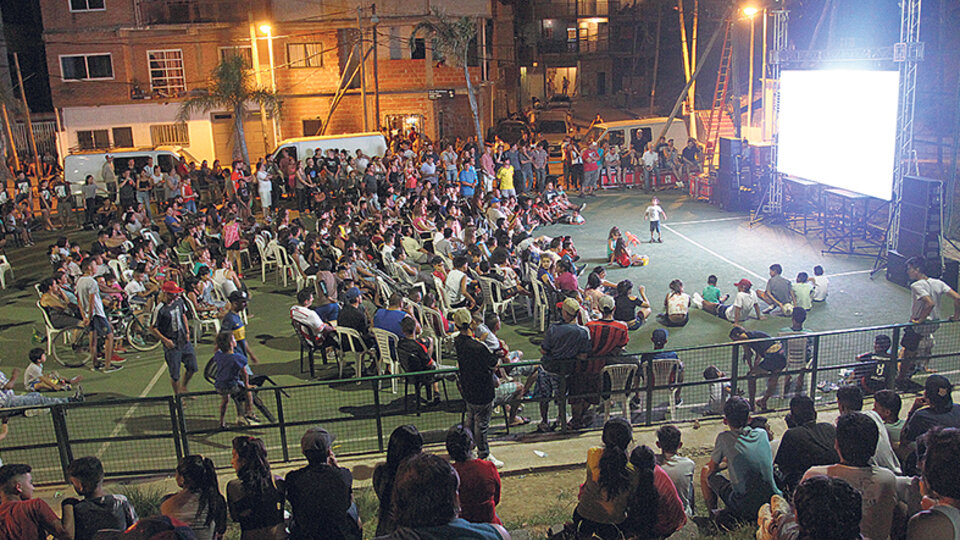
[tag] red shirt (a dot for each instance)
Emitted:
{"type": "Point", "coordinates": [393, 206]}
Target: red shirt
{"type": "Point", "coordinates": [670, 514]}
{"type": "Point", "coordinates": [605, 336]}
{"type": "Point", "coordinates": [590, 159]}
{"type": "Point", "coordinates": [479, 491]}
{"type": "Point", "coordinates": [25, 520]}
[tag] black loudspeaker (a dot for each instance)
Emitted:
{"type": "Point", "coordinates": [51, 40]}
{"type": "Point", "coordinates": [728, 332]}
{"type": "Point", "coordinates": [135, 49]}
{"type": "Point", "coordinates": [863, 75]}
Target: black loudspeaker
{"type": "Point", "coordinates": [730, 149]}
{"type": "Point", "coordinates": [897, 269]}
{"type": "Point", "coordinates": [919, 231]}
{"type": "Point", "coordinates": [951, 273]}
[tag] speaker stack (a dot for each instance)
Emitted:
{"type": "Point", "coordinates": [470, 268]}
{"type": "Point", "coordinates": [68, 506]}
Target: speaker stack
{"type": "Point", "coordinates": [919, 229]}
{"type": "Point", "coordinates": [733, 190]}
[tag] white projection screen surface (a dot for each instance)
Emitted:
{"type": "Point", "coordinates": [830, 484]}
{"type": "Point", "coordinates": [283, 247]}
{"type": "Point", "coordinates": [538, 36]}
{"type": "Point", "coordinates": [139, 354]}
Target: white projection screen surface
{"type": "Point", "coordinates": [838, 127]}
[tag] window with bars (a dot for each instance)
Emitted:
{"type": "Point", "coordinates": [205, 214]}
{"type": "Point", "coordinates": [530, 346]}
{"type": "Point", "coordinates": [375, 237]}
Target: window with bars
{"type": "Point", "coordinates": [93, 139]}
{"type": "Point", "coordinates": [169, 134]}
{"type": "Point", "coordinates": [123, 137]}
{"type": "Point", "coordinates": [86, 67]}
{"type": "Point", "coordinates": [243, 51]}
{"type": "Point", "coordinates": [305, 55]}
{"type": "Point", "coordinates": [87, 5]}
{"type": "Point", "coordinates": [166, 72]}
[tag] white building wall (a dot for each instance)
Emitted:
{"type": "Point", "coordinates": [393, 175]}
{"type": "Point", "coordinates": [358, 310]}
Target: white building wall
{"type": "Point", "coordinates": [139, 117]}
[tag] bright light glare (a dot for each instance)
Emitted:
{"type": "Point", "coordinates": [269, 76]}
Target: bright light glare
{"type": "Point", "coordinates": [838, 127]}
{"type": "Point", "coordinates": [265, 28]}
{"type": "Point", "coordinates": [750, 11]}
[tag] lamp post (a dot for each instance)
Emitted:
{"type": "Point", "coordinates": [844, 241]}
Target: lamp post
{"type": "Point", "coordinates": [374, 20]}
{"type": "Point", "coordinates": [266, 29]}
{"type": "Point", "coordinates": [750, 13]}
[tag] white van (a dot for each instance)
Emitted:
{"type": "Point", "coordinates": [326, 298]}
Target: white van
{"type": "Point", "coordinates": [372, 144]}
{"type": "Point", "coordinates": [637, 133]}
{"type": "Point", "coordinates": [553, 126]}
{"type": "Point", "coordinates": [77, 166]}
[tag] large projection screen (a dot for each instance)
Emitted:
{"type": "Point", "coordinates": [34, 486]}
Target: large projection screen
{"type": "Point", "coordinates": [838, 127]}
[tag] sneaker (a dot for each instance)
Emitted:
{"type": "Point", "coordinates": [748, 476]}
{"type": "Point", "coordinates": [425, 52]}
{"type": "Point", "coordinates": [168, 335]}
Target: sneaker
{"type": "Point", "coordinates": [30, 413]}
{"type": "Point", "coordinates": [117, 359]}
{"type": "Point", "coordinates": [697, 300]}
{"type": "Point", "coordinates": [242, 421]}
{"type": "Point", "coordinates": [111, 369]}
{"type": "Point", "coordinates": [253, 420]}
{"type": "Point", "coordinates": [496, 462]}
{"type": "Point", "coordinates": [78, 395]}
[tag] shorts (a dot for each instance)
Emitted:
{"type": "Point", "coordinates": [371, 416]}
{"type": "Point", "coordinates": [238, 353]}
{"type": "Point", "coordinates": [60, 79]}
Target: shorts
{"type": "Point", "coordinates": [100, 325]}
{"type": "Point", "coordinates": [235, 388]}
{"type": "Point", "coordinates": [655, 226]}
{"type": "Point", "coordinates": [548, 385]}
{"type": "Point", "coordinates": [590, 178]}
{"type": "Point", "coordinates": [721, 310]}
{"type": "Point", "coordinates": [507, 193]}
{"type": "Point", "coordinates": [504, 392]}
{"type": "Point", "coordinates": [773, 362]}
{"type": "Point", "coordinates": [180, 355]}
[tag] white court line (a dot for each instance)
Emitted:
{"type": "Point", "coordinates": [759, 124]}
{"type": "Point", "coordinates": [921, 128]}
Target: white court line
{"type": "Point", "coordinates": [850, 273]}
{"type": "Point", "coordinates": [122, 423]}
{"type": "Point", "coordinates": [741, 218]}
{"type": "Point", "coordinates": [714, 253]}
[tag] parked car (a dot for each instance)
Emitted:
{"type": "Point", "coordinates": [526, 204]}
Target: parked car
{"type": "Point", "coordinates": [78, 165]}
{"type": "Point", "coordinates": [372, 144]}
{"type": "Point", "coordinates": [511, 131]}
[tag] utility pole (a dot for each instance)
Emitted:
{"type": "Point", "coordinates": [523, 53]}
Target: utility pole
{"type": "Point", "coordinates": [376, 77]}
{"type": "Point", "coordinates": [258, 78]}
{"type": "Point", "coordinates": [26, 112]}
{"type": "Point", "coordinates": [13, 143]}
{"type": "Point", "coordinates": [656, 57]}
{"type": "Point", "coordinates": [683, 43]}
{"type": "Point", "coordinates": [363, 70]}
{"type": "Point", "coordinates": [693, 66]}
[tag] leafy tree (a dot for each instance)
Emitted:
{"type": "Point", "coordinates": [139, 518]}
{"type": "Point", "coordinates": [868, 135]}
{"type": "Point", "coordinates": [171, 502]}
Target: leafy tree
{"type": "Point", "coordinates": [452, 39]}
{"type": "Point", "coordinates": [231, 87]}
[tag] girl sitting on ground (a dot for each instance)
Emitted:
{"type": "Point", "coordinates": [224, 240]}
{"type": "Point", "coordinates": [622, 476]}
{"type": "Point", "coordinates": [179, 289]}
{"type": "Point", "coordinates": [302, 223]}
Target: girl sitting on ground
{"type": "Point", "coordinates": [623, 257]}
{"type": "Point", "coordinates": [612, 243]}
{"type": "Point", "coordinates": [677, 306]}
{"type": "Point", "coordinates": [199, 502]}
{"type": "Point", "coordinates": [628, 308]}
{"type": "Point", "coordinates": [610, 479]}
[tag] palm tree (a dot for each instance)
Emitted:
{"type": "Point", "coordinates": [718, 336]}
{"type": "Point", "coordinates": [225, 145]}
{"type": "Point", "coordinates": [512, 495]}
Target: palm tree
{"type": "Point", "coordinates": [230, 88]}
{"type": "Point", "coordinates": [453, 39]}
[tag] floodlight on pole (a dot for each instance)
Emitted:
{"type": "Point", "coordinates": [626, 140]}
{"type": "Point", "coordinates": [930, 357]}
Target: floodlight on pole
{"type": "Point", "coordinates": [750, 11]}
{"type": "Point", "coordinates": [265, 28]}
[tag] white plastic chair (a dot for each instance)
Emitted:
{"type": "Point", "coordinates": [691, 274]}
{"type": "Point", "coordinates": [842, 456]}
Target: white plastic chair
{"type": "Point", "coordinates": [117, 267]}
{"type": "Point", "coordinates": [386, 353]}
{"type": "Point", "coordinates": [621, 378]}
{"type": "Point", "coordinates": [493, 297]}
{"type": "Point", "coordinates": [284, 264]}
{"type": "Point", "coordinates": [48, 327]}
{"type": "Point", "coordinates": [36, 287]}
{"type": "Point", "coordinates": [540, 306]}
{"type": "Point", "coordinates": [357, 347]}
{"type": "Point", "coordinates": [5, 267]}
{"type": "Point", "coordinates": [200, 325]}
{"type": "Point", "coordinates": [431, 318]}
{"type": "Point", "coordinates": [268, 257]}
{"type": "Point", "coordinates": [661, 369]}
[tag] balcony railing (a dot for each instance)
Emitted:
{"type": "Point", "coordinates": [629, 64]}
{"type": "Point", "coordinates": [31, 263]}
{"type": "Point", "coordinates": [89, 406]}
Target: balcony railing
{"type": "Point", "coordinates": [196, 11]}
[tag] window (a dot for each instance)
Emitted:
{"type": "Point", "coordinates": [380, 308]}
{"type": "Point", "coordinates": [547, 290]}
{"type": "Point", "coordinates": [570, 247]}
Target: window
{"type": "Point", "coordinates": [87, 5]}
{"type": "Point", "coordinates": [419, 51]}
{"type": "Point", "coordinates": [166, 72]}
{"type": "Point", "coordinates": [123, 137]}
{"type": "Point", "coordinates": [305, 55]}
{"type": "Point", "coordinates": [244, 51]}
{"type": "Point", "coordinates": [93, 139]}
{"type": "Point", "coordinates": [86, 67]}
{"type": "Point", "coordinates": [396, 50]}
{"type": "Point", "coordinates": [169, 134]}
{"type": "Point", "coordinates": [312, 127]}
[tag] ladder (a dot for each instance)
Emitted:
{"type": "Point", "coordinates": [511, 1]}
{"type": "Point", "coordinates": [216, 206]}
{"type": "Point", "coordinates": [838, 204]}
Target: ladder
{"type": "Point", "coordinates": [719, 98]}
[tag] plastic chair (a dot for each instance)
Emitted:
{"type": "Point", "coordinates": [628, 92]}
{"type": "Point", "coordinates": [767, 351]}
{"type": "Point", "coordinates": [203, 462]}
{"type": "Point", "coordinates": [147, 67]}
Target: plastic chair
{"type": "Point", "coordinates": [268, 257]}
{"type": "Point", "coordinates": [540, 306]}
{"type": "Point", "coordinates": [431, 318]}
{"type": "Point", "coordinates": [200, 325]}
{"type": "Point", "coordinates": [357, 346]}
{"type": "Point", "coordinates": [36, 287]}
{"type": "Point", "coordinates": [386, 353]}
{"type": "Point", "coordinates": [621, 378]}
{"type": "Point", "coordinates": [5, 267]}
{"type": "Point", "coordinates": [48, 327]}
{"type": "Point", "coordinates": [284, 263]}
{"type": "Point", "coordinates": [661, 369]}
{"type": "Point", "coordinates": [493, 296]}
{"type": "Point", "coordinates": [117, 267]}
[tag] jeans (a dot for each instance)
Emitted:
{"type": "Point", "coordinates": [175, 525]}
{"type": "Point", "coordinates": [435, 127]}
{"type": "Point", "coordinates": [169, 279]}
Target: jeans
{"type": "Point", "coordinates": [190, 206]}
{"type": "Point", "coordinates": [451, 176]}
{"type": "Point", "coordinates": [144, 197]}
{"type": "Point", "coordinates": [477, 420]}
{"type": "Point", "coordinates": [329, 312]}
{"type": "Point", "coordinates": [32, 399]}
{"type": "Point", "coordinates": [540, 179]}
{"type": "Point", "coordinates": [527, 174]}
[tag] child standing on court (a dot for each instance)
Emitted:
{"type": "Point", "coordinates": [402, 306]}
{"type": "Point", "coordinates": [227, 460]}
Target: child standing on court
{"type": "Point", "coordinates": [655, 214]}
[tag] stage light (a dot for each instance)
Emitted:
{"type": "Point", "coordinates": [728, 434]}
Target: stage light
{"type": "Point", "coordinates": [750, 11]}
{"type": "Point", "coordinates": [838, 127]}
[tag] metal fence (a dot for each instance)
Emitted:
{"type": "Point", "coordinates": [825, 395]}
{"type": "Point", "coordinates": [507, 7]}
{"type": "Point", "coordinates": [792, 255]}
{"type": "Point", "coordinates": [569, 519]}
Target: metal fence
{"type": "Point", "coordinates": [149, 435]}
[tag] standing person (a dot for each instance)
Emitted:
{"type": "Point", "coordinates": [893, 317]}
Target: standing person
{"type": "Point", "coordinates": [95, 318]}
{"type": "Point", "coordinates": [539, 157]}
{"type": "Point", "coordinates": [170, 325]}
{"type": "Point", "coordinates": [477, 365]}
{"type": "Point", "coordinates": [232, 381]}
{"type": "Point", "coordinates": [21, 516]}
{"type": "Point", "coordinates": [62, 190]}
{"type": "Point", "coordinates": [108, 174]}
{"type": "Point", "coordinates": [487, 169]}
{"type": "Point", "coordinates": [255, 496]}
{"type": "Point", "coordinates": [925, 310]}
{"type": "Point", "coordinates": [526, 169]}
{"type": "Point", "coordinates": [45, 196]}
{"type": "Point", "coordinates": [265, 189]}
{"type": "Point", "coordinates": [750, 463]}
{"type": "Point", "coordinates": [576, 167]}
{"type": "Point", "coordinates": [199, 502]}
{"type": "Point", "coordinates": [321, 494]}
{"type": "Point", "coordinates": [650, 160]}
{"type": "Point", "coordinates": [144, 187]}
{"type": "Point", "coordinates": [448, 158]}
{"type": "Point", "coordinates": [591, 169]}
{"type": "Point", "coordinates": [468, 179]}
{"type": "Point", "coordinates": [764, 358]}
{"type": "Point", "coordinates": [479, 479]}
{"type": "Point", "coordinates": [654, 214]}
{"type": "Point", "coordinates": [89, 192]}
{"type": "Point", "coordinates": [233, 322]}
{"type": "Point", "coordinates": [98, 509]}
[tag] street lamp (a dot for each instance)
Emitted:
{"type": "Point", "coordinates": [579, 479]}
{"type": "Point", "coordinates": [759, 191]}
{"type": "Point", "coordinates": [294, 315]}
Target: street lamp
{"type": "Point", "coordinates": [750, 11]}
{"type": "Point", "coordinates": [268, 31]}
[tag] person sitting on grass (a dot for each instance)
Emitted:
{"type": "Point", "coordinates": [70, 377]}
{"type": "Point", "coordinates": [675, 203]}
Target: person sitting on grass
{"type": "Point", "coordinates": [405, 442]}
{"type": "Point", "coordinates": [255, 497]}
{"type": "Point", "coordinates": [941, 481]}
{"type": "Point", "coordinates": [199, 502]}
{"type": "Point", "coordinates": [479, 479]}
{"type": "Point", "coordinates": [676, 306]}
{"type": "Point", "coordinates": [98, 510]}
{"type": "Point", "coordinates": [602, 505]}
{"type": "Point", "coordinates": [232, 380]}
{"type": "Point", "coordinates": [654, 509]}
{"type": "Point", "coordinates": [22, 516]}
{"type": "Point", "coordinates": [680, 469]}
{"type": "Point", "coordinates": [887, 403]}
{"type": "Point", "coordinates": [805, 444]}
{"type": "Point", "coordinates": [747, 455]}
{"type": "Point", "coordinates": [34, 380]}
{"type": "Point", "coordinates": [631, 310]}
{"type": "Point", "coordinates": [624, 258]}
{"type": "Point", "coordinates": [711, 294]}
{"type": "Point", "coordinates": [9, 399]}
{"type": "Point", "coordinates": [850, 399]}
{"type": "Point", "coordinates": [745, 301]}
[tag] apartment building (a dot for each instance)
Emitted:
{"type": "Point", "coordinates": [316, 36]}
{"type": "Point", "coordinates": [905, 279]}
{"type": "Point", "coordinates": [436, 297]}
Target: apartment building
{"type": "Point", "coordinates": [120, 68]}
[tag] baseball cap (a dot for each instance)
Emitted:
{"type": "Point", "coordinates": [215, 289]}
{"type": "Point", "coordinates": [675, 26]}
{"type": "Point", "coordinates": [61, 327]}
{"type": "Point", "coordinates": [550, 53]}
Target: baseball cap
{"type": "Point", "coordinates": [660, 335]}
{"type": "Point", "coordinates": [570, 306]}
{"type": "Point", "coordinates": [494, 199]}
{"type": "Point", "coordinates": [317, 439]}
{"type": "Point", "coordinates": [352, 294]}
{"type": "Point", "coordinates": [238, 296]}
{"type": "Point", "coordinates": [607, 303]}
{"type": "Point", "coordinates": [462, 317]}
{"type": "Point", "coordinates": [938, 391]}
{"type": "Point", "coordinates": [743, 283]}
{"type": "Point", "coordinates": [171, 287]}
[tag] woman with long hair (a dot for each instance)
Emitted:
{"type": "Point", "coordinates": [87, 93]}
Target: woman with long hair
{"type": "Point", "coordinates": [610, 480]}
{"type": "Point", "coordinates": [255, 497]}
{"type": "Point", "coordinates": [676, 306]}
{"type": "Point", "coordinates": [479, 479]}
{"type": "Point", "coordinates": [630, 309]}
{"type": "Point", "coordinates": [405, 441]}
{"type": "Point", "coordinates": [654, 508]}
{"type": "Point", "coordinates": [199, 503]}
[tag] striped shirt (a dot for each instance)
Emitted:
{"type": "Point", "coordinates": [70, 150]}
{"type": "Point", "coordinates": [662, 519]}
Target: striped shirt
{"type": "Point", "coordinates": [606, 336]}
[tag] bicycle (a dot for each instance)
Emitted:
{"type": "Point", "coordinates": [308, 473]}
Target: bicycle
{"type": "Point", "coordinates": [256, 381]}
{"type": "Point", "coordinates": [71, 346]}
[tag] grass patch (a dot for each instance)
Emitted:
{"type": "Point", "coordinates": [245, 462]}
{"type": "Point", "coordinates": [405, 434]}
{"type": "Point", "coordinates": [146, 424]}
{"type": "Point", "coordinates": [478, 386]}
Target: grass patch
{"type": "Point", "coordinates": [145, 500]}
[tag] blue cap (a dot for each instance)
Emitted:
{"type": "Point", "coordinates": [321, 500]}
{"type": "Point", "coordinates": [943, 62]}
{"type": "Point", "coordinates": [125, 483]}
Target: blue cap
{"type": "Point", "coordinates": [660, 335]}
{"type": "Point", "coordinates": [352, 294]}
{"type": "Point", "coordinates": [493, 200]}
